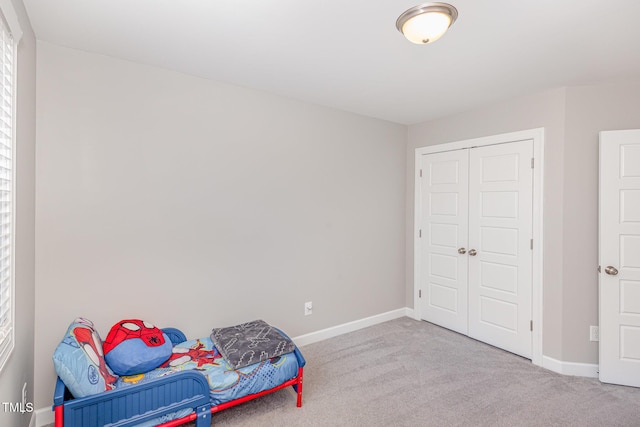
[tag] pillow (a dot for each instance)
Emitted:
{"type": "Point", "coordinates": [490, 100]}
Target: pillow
{"type": "Point", "coordinates": [79, 362]}
{"type": "Point", "coordinates": [135, 347]}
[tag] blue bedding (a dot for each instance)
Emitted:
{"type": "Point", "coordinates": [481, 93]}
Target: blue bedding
{"type": "Point", "coordinates": [225, 383]}
{"type": "Point", "coordinates": [177, 390]}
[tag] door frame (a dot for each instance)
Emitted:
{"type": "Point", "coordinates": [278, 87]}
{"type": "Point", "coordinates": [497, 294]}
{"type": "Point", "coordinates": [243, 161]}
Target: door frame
{"type": "Point", "coordinates": [537, 135]}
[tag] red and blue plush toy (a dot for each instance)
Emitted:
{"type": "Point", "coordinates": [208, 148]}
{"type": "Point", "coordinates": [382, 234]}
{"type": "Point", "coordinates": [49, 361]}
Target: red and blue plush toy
{"type": "Point", "coordinates": [135, 347]}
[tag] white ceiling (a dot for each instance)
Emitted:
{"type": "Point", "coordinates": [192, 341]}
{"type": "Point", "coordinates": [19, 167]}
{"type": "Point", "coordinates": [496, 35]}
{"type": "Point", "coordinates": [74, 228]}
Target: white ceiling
{"type": "Point", "coordinates": [348, 54]}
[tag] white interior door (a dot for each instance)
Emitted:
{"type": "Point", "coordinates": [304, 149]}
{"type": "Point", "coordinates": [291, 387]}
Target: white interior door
{"type": "Point", "coordinates": [500, 252]}
{"type": "Point", "coordinates": [619, 253]}
{"type": "Point", "coordinates": [444, 205]}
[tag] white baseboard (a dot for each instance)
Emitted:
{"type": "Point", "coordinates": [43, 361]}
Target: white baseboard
{"type": "Point", "coordinates": [570, 368]}
{"type": "Point", "coordinates": [334, 331]}
{"type": "Point", "coordinates": [410, 312]}
{"type": "Point", "coordinates": [42, 417]}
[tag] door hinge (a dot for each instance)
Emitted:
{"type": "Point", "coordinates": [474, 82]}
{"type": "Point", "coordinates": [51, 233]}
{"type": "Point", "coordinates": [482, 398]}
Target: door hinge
{"type": "Point", "coordinates": [531, 244]}
{"type": "Point", "coordinates": [420, 173]}
{"type": "Point", "coordinates": [532, 162]}
{"type": "Point", "coordinates": [419, 293]}
{"type": "Point", "coordinates": [419, 233]}
{"type": "Point", "coordinates": [531, 325]}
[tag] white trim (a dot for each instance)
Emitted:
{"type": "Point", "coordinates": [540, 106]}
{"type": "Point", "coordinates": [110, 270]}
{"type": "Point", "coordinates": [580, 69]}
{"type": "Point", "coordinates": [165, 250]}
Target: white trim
{"type": "Point", "coordinates": [589, 370]}
{"type": "Point", "coordinates": [537, 266]}
{"type": "Point", "coordinates": [345, 328]}
{"type": "Point", "coordinates": [9, 13]}
{"type": "Point", "coordinates": [410, 312]}
{"type": "Point", "coordinates": [537, 135]}
{"type": "Point", "coordinates": [42, 417]}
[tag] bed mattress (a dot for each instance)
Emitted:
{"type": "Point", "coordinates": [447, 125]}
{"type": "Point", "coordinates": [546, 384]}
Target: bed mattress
{"type": "Point", "coordinates": [225, 383]}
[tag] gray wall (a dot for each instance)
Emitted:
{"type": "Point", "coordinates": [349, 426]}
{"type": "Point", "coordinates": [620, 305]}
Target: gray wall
{"type": "Point", "coordinates": [590, 109]}
{"type": "Point", "coordinates": [19, 368]}
{"type": "Point", "coordinates": [572, 118]}
{"type": "Point", "coordinates": [194, 204]}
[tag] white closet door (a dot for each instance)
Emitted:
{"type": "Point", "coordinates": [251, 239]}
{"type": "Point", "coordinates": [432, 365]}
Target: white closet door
{"type": "Point", "coordinates": [500, 256]}
{"type": "Point", "coordinates": [620, 257]}
{"type": "Point", "coordinates": [444, 204]}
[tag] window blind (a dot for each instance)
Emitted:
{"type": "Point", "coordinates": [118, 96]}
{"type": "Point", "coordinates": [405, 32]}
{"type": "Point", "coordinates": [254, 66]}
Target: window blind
{"type": "Point", "coordinates": [6, 192]}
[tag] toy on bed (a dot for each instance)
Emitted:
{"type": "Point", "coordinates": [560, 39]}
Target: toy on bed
{"type": "Point", "coordinates": [136, 377]}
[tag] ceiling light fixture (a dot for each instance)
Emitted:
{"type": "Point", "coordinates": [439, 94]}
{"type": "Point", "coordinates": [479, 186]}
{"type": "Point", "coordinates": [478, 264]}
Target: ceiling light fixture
{"type": "Point", "coordinates": [427, 22]}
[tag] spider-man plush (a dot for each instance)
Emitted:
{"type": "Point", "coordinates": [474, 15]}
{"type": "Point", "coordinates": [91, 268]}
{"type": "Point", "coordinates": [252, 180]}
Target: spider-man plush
{"type": "Point", "coordinates": [135, 347]}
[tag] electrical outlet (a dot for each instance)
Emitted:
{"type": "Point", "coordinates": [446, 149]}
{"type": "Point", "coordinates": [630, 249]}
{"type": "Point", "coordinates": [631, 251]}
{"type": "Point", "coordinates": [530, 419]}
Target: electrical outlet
{"type": "Point", "coordinates": [308, 308]}
{"type": "Point", "coordinates": [594, 333]}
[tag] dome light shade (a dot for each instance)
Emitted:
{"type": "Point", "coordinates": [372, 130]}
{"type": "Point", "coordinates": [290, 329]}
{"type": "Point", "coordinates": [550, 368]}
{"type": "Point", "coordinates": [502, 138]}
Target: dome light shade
{"type": "Point", "coordinates": [427, 22]}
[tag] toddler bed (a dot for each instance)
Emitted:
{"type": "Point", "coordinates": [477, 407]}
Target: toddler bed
{"type": "Point", "coordinates": [194, 383]}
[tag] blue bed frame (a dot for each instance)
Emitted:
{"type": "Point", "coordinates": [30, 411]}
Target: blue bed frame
{"type": "Point", "coordinates": [143, 402]}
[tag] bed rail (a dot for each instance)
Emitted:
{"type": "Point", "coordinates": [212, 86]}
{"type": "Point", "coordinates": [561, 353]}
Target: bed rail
{"type": "Point", "coordinates": [130, 406]}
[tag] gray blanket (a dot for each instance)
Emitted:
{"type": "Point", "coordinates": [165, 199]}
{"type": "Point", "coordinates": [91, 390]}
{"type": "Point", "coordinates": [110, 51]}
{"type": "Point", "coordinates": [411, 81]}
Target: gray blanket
{"type": "Point", "coordinates": [250, 343]}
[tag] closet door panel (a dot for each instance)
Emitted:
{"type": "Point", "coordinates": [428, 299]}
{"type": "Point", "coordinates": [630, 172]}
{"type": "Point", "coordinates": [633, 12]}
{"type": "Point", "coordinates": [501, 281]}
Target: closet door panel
{"type": "Point", "coordinates": [444, 222]}
{"type": "Point", "coordinates": [500, 229]}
